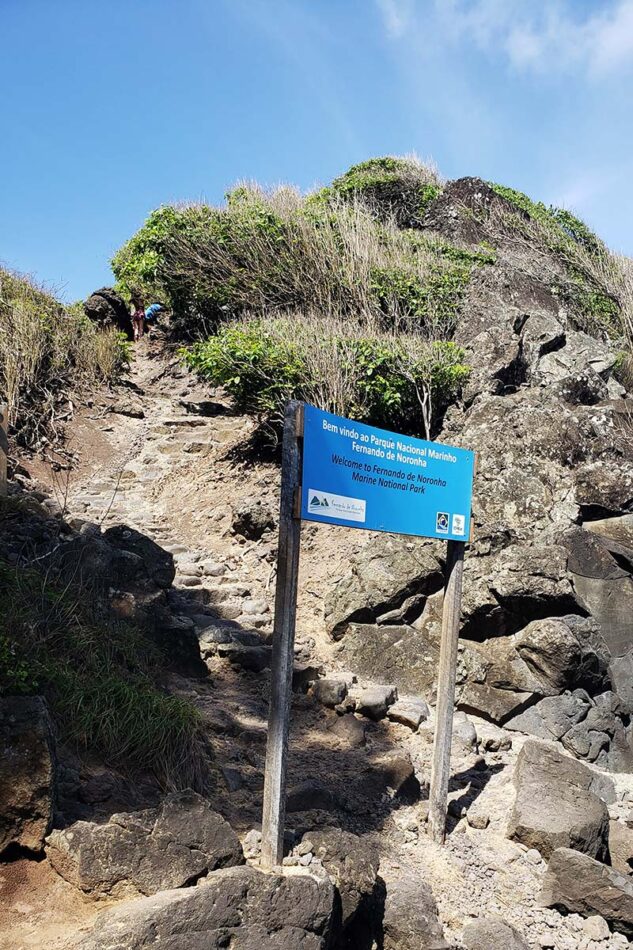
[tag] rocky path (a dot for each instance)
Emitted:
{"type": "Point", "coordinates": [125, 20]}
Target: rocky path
{"type": "Point", "coordinates": [165, 456]}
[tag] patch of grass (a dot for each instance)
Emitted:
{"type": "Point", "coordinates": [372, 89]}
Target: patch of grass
{"type": "Point", "coordinates": [278, 252]}
{"type": "Point", "coordinates": [398, 381]}
{"type": "Point", "coordinates": [561, 220]}
{"type": "Point", "coordinates": [100, 678]}
{"type": "Point", "coordinates": [392, 188]}
{"type": "Point", "coordinates": [48, 351]}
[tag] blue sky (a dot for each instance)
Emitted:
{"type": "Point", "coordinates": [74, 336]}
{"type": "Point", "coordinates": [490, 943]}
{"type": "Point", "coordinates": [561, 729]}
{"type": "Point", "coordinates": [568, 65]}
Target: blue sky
{"type": "Point", "coordinates": [111, 109]}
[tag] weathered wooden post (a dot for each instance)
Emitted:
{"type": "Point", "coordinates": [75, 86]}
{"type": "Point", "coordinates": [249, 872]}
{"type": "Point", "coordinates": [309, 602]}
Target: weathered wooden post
{"type": "Point", "coordinates": [340, 472]}
{"type": "Point", "coordinates": [4, 447]}
{"type": "Point", "coordinates": [283, 640]}
{"type": "Point", "coordinates": [441, 769]}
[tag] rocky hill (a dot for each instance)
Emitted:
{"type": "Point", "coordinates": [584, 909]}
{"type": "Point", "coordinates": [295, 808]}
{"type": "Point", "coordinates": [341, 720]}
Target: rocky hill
{"type": "Point", "coordinates": [462, 310]}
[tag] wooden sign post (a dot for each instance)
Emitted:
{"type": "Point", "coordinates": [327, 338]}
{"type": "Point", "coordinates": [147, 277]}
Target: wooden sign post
{"type": "Point", "coordinates": [340, 472]}
{"type": "Point", "coordinates": [441, 769]}
{"type": "Point", "coordinates": [283, 640]}
{"type": "Point", "coordinates": [4, 448]}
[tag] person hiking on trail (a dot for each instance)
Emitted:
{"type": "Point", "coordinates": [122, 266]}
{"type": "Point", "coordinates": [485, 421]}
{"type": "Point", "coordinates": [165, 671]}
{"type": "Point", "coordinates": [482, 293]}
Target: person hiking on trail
{"type": "Point", "coordinates": [138, 318]}
{"type": "Point", "coordinates": [151, 314]}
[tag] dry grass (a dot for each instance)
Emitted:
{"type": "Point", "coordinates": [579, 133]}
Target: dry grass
{"type": "Point", "coordinates": [269, 251]}
{"type": "Point", "coordinates": [47, 352]}
{"type": "Point", "coordinates": [597, 277]}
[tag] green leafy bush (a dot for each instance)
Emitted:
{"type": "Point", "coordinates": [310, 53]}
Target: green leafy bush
{"type": "Point", "coordinates": [396, 381]}
{"type": "Point", "coordinates": [99, 677]}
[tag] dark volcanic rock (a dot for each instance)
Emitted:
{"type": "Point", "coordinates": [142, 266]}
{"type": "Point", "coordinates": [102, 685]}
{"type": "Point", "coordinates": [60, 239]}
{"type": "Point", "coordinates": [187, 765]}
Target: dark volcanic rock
{"type": "Point", "coordinates": [595, 729]}
{"type": "Point", "coordinates": [107, 308]}
{"type": "Point", "coordinates": [147, 851]}
{"type": "Point", "coordinates": [556, 803]}
{"type": "Point", "coordinates": [121, 558]}
{"type": "Point", "coordinates": [27, 772]}
{"type": "Point", "coordinates": [353, 863]}
{"type": "Point", "coordinates": [158, 564]}
{"type": "Point", "coordinates": [309, 795]}
{"type": "Point", "coordinates": [621, 846]}
{"type": "Point", "coordinates": [400, 654]}
{"type": "Point", "coordinates": [492, 932]}
{"type": "Point", "coordinates": [237, 907]}
{"type": "Point", "coordinates": [251, 518]}
{"type": "Point", "coordinates": [577, 883]}
{"type": "Point", "coordinates": [384, 574]}
{"type": "Point", "coordinates": [411, 921]}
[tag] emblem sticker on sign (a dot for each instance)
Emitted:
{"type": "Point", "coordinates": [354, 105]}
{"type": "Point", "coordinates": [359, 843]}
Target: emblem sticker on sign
{"type": "Point", "coordinates": [336, 506]}
{"type": "Point", "coordinates": [382, 481]}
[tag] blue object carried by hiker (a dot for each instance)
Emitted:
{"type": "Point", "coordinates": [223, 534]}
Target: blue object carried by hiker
{"type": "Point", "coordinates": [151, 312]}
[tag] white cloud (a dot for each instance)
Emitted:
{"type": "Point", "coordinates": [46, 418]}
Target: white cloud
{"type": "Point", "coordinates": [397, 15]}
{"type": "Point", "coordinates": [545, 36]}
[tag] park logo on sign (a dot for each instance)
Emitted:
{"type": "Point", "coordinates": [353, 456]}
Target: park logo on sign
{"type": "Point", "coordinates": [459, 524]}
{"type": "Point", "coordinates": [329, 505]}
{"type": "Point", "coordinates": [441, 522]}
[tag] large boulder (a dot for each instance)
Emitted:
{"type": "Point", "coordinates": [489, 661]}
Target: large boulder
{"type": "Point", "coordinates": [411, 921]}
{"type": "Point", "coordinates": [157, 564]}
{"type": "Point", "coordinates": [27, 772]}
{"type": "Point", "coordinates": [120, 558]}
{"type": "Point", "coordinates": [579, 884]}
{"type": "Point", "coordinates": [239, 908]}
{"type": "Point", "coordinates": [353, 864]}
{"type": "Point", "coordinates": [557, 805]}
{"type": "Point", "coordinates": [252, 517]}
{"type": "Point", "coordinates": [386, 575]}
{"type": "Point", "coordinates": [616, 535]}
{"type": "Point", "coordinates": [506, 590]}
{"type": "Point", "coordinates": [147, 851]}
{"type": "Point", "coordinates": [107, 308]}
{"type": "Point", "coordinates": [399, 654]}
{"type": "Point", "coordinates": [511, 671]}
{"type": "Point", "coordinates": [621, 846]}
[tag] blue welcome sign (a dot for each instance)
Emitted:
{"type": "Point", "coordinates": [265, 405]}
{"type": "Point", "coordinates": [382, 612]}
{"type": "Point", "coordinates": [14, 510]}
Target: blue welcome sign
{"type": "Point", "coordinates": [363, 477]}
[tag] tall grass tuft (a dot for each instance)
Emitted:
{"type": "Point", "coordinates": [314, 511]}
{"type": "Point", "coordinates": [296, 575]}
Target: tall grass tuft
{"type": "Point", "coordinates": [48, 351]}
{"type": "Point", "coordinates": [100, 677]}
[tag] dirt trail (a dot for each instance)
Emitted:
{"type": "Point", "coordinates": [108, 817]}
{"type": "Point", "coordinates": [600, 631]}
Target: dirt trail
{"type": "Point", "coordinates": [166, 461]}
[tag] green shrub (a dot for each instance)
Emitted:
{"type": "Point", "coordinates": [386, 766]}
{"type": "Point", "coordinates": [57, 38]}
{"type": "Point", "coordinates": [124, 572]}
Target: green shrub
{"type": "Point", "coordinates": [279, 252]}
{"type": "Point", "coordinates": [99, 677]}
{"type": "Point", "coordinates": [399, 188]}
{"type": "Point", "coordinates": [433, 301]}
{"type": "Point", "coordinates": [48, 351]}
{"type": "Point", "coordinates": [563, 223]}
{"type": "Point", "coordinates": [397, 381]}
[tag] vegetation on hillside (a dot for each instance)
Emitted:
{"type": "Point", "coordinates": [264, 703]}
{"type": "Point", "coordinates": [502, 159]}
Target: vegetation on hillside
{"type": "Point", "coordinates": [98, 674]}
{"type": "Point", "coordinates": [47, 352]}
{"type": "Point", "coordinates": [348, 297]}
{"type": "Point", "coordinates": [562, 251]}
{"type": "Point", "coordinates": [398, 381]}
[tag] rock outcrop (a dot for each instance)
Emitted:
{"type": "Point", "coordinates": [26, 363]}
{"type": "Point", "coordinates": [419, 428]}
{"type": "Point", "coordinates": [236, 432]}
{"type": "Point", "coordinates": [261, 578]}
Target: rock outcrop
{"type": "Point", "coordinates": [578, 884]}
{"type": "Point", "coordinates": [107, 308]}
{"type": "Point", "coordinates": [548, 583]}
{"type": "Point", "coordinates": [556, 804]}
{"type": "Point", "coordinates": [147, 851]}
{"type": "Point", "coordinates": [237, 907]}
{"type": "Point", "coordinates": [27, 772]}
